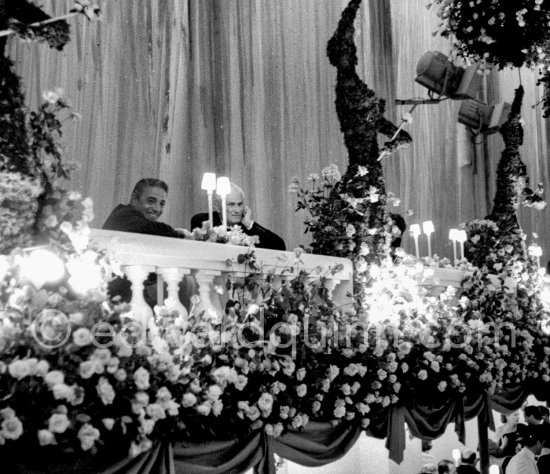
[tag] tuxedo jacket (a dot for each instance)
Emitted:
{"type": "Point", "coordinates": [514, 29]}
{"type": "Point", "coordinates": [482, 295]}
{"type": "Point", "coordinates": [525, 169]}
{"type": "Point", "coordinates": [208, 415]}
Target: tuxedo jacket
{"type": "Point", "coordinates": [127, 219]}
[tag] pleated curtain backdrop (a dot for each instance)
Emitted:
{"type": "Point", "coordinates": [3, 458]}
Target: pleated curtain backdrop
{"type": "Point", "coordinates": [243, 88]}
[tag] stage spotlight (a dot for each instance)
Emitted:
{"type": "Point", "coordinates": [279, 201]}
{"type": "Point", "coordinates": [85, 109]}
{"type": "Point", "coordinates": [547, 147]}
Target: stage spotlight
{"type": "Point", "coordinates": [483, 118]}
{"type": "Point", "coordinates": [436, 73]}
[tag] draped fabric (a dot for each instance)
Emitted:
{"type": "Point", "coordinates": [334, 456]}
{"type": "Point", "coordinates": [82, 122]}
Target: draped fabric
{"type": "Point", "coordinates": [318, 444]}
{"type": "Point", "coordinates": [243, 88]}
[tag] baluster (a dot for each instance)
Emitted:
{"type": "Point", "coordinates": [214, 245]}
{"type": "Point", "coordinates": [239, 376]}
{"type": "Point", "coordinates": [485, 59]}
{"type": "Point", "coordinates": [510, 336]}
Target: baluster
{"type": "Point", "coordinates": [205, 281]}
{"type": "Point", "coordinates": [137, 274]}
{"type": "Point", "coordinates": [173, 276]}
{"type": "Point", "coordinates": [331, 284]}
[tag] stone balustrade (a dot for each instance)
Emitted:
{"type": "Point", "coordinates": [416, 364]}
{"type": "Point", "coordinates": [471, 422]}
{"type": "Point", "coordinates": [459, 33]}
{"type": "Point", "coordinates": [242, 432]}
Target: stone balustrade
{"type": "Point", "coordinates": [208, 264]}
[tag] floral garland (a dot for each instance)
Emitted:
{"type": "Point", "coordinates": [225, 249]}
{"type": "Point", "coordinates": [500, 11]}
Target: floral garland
{"type": "Point", "coordinates": [57, 34]}
{"type": "Point", "coordinates": [506, 290]}
{"type": "Point", "coordinates": [361, 116]}
{"type": "Point", "coordinates": [33, 24]}
{"type": "Point", "coordinates": [14, 149]}
{"type": "Point", "coordinates": [18, 208]}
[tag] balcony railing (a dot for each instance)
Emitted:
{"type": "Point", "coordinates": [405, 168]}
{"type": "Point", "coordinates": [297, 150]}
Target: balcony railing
{"type": "Point", "coordinates": [208, 264]}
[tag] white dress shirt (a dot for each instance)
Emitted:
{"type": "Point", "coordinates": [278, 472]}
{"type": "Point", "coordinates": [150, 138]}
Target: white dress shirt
{"type": "Point", "coordinates": [523, 463]}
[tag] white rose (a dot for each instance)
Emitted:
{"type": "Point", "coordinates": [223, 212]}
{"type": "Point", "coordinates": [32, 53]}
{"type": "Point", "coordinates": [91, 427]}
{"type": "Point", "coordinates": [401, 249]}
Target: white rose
{"type": "Point", "coordinates": [108, 423]}
{"type": "Point", "coordinates": [120, 375]}
{"type": "Point", "coordinates": [214, 392]}
{"type": "Point", "coordinates": [188, 400]}
{"type": "Point", "coordinates": [241, 382]}
{"type": "Point", "coordinates": [148, 425]}
{"type": "Point", "coordinates": [204, 409]}
{"type": "Point", "coordinates": [12, 428]}
{"type": "Point", "coordinates": [163, 395]}
{"type": "Point", "coordinates": [277, 429]}
{"type": "Point", "coordinates": [76, 318]}
{"type": "Point", "coordinates": [171, 407]}
{"type": "Point", "coordinates": [265, 402]}
{"type": "Point", "coordinates": [54, 377]}
{"type": "Point", "coordinates": [42, 368]}
{"type": "Point", "coordinates": [301, 390]}
{"type": "Point", "coordinates": [253, 413]}
{"type": "Point", "coordinates": [7, 412]}
{"type": "Point", "coordinates": [124, 349]}
{"type": "Point", "coordinates": [142, 398]}
{"type": "Point", "coordinates": [155, 411]}
{"type": "Point", "coordinates": [105, 391]}
{"type": "Point", "coordinates": [45, 437]}
{"type": "Point", "coordinates": [58, 423]}
{"type": "Point", "coordinates": [62, 391]}
{"type": "Point", "coordinates": [141, 378]}
{"type": "Point", "coordinates": [87, 436]}
{"type": "Point", "coordinates": [217, 408]}
{"type": "Point", "coordinates": [19, 369]}
{"type": "Point", "coordinates": [87, 369]}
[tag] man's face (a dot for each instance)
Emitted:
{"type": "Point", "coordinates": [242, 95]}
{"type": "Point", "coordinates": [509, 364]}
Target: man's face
{"type": "Point", "coordinates": [151, 202]}
{"type": "Point", "coordinates": [235, 206]}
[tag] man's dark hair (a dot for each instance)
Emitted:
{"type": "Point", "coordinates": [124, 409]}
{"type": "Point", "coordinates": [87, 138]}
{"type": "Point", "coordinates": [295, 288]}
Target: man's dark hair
{"type": "Point", "coordinates": [532, 410]}
{"type": "Point", "coordinates": [145, 183]}
{"type": "Point", "coordinates": [531, 434]}
{"type": "Point", "coordinates": [445, 466]}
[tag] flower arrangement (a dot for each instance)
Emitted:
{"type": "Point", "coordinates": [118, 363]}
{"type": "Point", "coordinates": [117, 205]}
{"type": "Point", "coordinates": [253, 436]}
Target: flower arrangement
{"type": "Point", "coordinates": [233, 235]}
{"type": "Point", "coordinates": [503, 34]}
{"type": "Point", "coordinates": [329, 213]}
{"type": "Point", "coordinates": [34, 177]}
{"type": "Point", "coordinates": [74, 373]}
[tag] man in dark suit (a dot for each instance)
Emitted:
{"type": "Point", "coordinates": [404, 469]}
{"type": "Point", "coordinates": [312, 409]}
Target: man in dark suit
{"type": "Point", "coordinates": [140, 216]}
{"type": "Point", "coordinates": [142, 213]}
{"type": "Point", "coordinates": [241, 215]}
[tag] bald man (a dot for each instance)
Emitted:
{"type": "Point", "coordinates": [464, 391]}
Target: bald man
{"type": "Point", "coordinates": [241, 215]}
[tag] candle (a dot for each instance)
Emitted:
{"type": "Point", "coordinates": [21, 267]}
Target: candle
{"type": "Point", "coordinates": [536, 251]}
{"type": "Point", "coordinates": [415, 232]}
{"type": "Point", "coordinates": [209, 184]}
{"type": "Point", "coordinates": [456, 451]}
{"type": "Point", "coordinates": [453, 238]}
{"type": "Point", "coordinates": [428, 228]}
{"type": "Point", "coordinates": [223, 188]}
{"type": "Point", "coordinates": [461, 237]}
